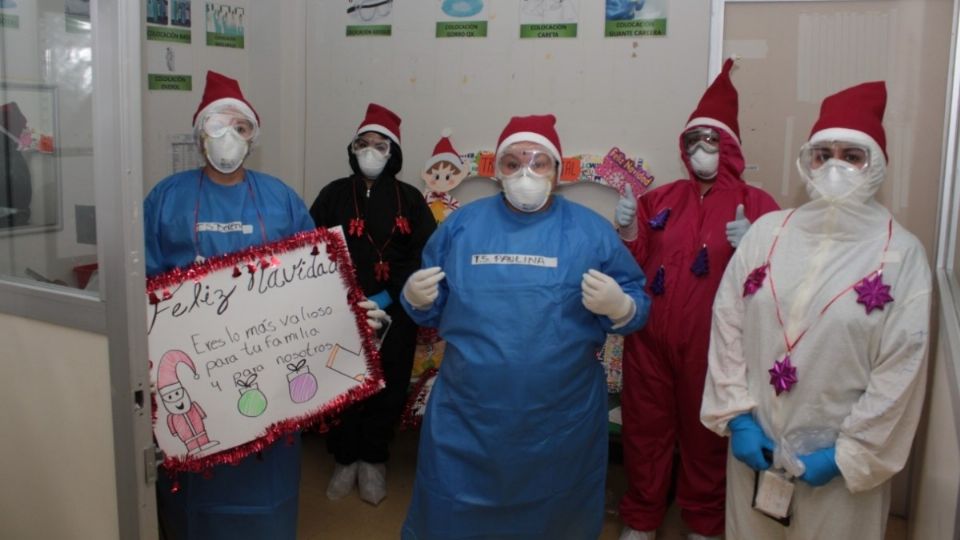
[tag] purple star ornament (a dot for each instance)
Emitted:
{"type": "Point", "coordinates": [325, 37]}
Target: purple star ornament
{"type": "Point", "coordinates": [873, 293]}
{"type": "Point", "coordinates": [755, 280]}
{"type": "Point", "coordinates": [783, 375]}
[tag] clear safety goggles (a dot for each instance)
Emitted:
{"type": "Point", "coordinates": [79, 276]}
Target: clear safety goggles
{"type": "Point", "coordinates": [816, 157]}
{"type": "Point", "coordinates": [513, 161]}
{"type": "Point", "coordinates": [369, 10]}
{"type": "Point", "coordinates": [216, 125]}
{"type": "Point", "coordinates": [705, 138]}
{"type": "Point", "coordinates": [360, 144]}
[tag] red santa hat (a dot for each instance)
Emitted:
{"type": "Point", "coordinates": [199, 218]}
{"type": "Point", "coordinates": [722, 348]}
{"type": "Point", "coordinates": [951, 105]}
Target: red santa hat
{"type": "Point", "coordinates": [719, 105]}
{"type": "Point", "coordinates": [382, 120]}
{"type": "Point", "coordinates": [220, 91]}
{"type": "Point", "coordinates": [12, 120]}
{"type": "Point", "coordinates": [858, 108]}
{"type": "Point", "coordinates": [167, 372]}
{"type": "Point", "coordinates": [537, 128]}
{"type": "Point", "coordinates": [444, 151]}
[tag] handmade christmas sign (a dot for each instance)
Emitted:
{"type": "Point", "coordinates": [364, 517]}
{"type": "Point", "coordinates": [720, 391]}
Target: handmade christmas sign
{"type": "Point", "coordinates": [249, 346]}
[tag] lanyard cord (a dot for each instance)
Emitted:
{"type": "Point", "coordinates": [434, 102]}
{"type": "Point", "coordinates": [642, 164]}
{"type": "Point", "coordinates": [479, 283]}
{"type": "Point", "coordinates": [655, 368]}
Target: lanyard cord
{"type": "Point", "coordinates": [773, 290]}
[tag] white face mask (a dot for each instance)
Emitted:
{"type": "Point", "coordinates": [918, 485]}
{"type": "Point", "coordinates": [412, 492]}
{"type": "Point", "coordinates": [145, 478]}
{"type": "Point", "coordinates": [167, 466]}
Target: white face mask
{"type": "Point", "coordinates": [705, 164]}
{"type": "Point", "coordinates": [371, 162]}
{"type": "Point", "coordinates": [527, 193]}
{"type": "Point", "coordinates": [226, 152]}
{"type": "Point", "coordinates": [835, 183]}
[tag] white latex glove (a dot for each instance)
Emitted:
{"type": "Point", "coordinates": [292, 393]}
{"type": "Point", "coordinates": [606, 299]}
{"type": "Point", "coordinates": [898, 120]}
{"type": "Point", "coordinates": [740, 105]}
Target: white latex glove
{"type": "Point", "coordinates": [738, 227]}
{"type": "Point", "coordinates": [626, 215]}
{"type": "Point", "coordinates": [375, 315]}
{"type": "Point", "coordinates": [602, 295]}
{"type": "Point", "coordinates": [422, 288]}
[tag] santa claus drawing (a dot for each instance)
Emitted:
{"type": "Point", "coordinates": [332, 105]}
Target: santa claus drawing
{"type": "Point", "coordinates": [185, 417]}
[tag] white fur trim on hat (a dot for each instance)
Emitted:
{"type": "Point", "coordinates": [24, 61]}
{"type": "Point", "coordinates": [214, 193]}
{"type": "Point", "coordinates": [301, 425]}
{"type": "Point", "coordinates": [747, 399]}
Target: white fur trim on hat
{"type": "Point", "coordinates": [846, 134]}
{"type": "Point", "coordinates": [170, 388]}
{"type": "Point", "coordinates": [529, 136]}
{"type": "Point", "coordinates": [443, 156]}
{"type": "Point", "coordinates": [223, 103]}
{"type": "Point", "coordinates": [377, 128]}
{"type": "Point", "coordinates": [712, 122]}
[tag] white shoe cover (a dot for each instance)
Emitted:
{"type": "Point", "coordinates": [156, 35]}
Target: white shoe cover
{"type": "Point", "coordinates": [342, 481]}
{"type": "Point", "coordinates": [633, 534]}
{"type": "Point", "coordinates": [372, 480]}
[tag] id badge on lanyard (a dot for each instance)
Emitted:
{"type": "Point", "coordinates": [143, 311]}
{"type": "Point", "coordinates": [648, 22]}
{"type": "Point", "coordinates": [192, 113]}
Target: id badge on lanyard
{"type": "Point", "coordinates": [773, 494]}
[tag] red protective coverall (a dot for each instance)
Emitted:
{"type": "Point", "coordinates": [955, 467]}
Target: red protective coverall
{"type": "Point", "coordinates": [665, 363]}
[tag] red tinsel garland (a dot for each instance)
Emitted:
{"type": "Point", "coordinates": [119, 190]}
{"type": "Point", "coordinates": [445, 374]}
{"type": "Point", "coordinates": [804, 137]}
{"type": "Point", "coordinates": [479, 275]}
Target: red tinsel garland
{"type": "Point", "coordinates": [254, 259]}
{"type": "Point", "coordinates": [410, 419]}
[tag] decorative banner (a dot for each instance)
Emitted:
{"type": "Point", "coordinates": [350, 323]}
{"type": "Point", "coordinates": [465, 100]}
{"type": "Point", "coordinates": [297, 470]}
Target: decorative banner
{"type": "Point", "coordinates": [370, 17]}
{"type": "Point", "coordinates": [614, 170]}
{"type": "Point", "coordinates": [461, 18]}
{"type": "Point", "coordinates": [617, 170]}
{"type": "Point", "coordinates": [225, 26]}
{"type": "Point", "coordinates": [632, 18]}
{"type": "Point", "coordinates": [548, 19]}
{"type": "Point", "coordinates": [249, 346]}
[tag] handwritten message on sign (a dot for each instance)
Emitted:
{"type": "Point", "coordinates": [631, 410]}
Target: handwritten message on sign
{"type": "Point", "coordinates": [252, 345]}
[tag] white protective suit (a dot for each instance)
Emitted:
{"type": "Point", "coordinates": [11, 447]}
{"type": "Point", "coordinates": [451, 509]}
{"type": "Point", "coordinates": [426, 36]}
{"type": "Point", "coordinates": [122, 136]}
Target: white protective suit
{"type": "Point", "coordinates": [861, 377]}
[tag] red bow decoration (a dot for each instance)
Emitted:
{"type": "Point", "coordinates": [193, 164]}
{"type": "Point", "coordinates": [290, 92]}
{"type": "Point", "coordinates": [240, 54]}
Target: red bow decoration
{"type": "Point", "coordinates": [356, 227]}
{"type": "Point", "coordinates": [381, 271]}
{"type": "Point", "coordinates": [403, 225]}
{"type": "Point", "coordinates": [236, 271]}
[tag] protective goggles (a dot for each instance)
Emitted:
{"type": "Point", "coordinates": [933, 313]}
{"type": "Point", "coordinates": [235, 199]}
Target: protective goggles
{"type": "Point", "coordinates": [217, 124]}
{"type": "Point", "coordinates": [705, 138]}
{"type": "Point", "coordinates": [359, 144]}
{"type": "Point", "coordinates": [815, 157]}
{"type": "Point", "coordinates": [512, 162]}
{"type": "Point", "coordinates": [368, 10]}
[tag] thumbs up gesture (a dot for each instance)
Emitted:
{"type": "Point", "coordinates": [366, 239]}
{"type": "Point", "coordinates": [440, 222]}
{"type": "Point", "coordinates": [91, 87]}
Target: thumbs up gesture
{"type": "Point", "coordinates": [626, 215]}
{"type": "Point", "coordinates": [738, 227]}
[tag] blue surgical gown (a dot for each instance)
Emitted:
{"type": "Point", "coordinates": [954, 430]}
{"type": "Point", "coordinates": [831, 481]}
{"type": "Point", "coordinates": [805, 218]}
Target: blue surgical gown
{"type": "Point", "coordinates": [257, 497]}
{"type": "Point", "coordinates": [514, 440]}
{"type": "Point", "coordinates": [227, 217]}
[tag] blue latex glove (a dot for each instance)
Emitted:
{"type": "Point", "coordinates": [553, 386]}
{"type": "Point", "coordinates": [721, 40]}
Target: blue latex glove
{"type": "Point", "coordinates": [738, 227]}
{"type": "Point", "coordinates": [382, 299]}
{"type": "Point", "coordinates": [747, 440]}
{"type": "Point", "coordinates": [821, 466]}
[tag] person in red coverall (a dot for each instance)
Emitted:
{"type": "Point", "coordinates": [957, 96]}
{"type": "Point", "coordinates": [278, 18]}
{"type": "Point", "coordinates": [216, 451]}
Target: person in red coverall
{"type": "Point", "coordinates": [682, 234]}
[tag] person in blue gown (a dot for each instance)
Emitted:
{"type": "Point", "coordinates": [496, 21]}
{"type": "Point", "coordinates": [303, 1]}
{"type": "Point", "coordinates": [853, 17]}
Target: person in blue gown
{"type": "Point", "coordinates": [196, 214]}
{"type": "Point", "coordinates": [523, 286]}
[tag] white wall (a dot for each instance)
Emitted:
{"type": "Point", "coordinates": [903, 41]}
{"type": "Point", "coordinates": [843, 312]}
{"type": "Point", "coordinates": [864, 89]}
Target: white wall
{"type": "Point", "coordinates": [635, 93]}
{"type": "Point", "coordinates": [56, 452]}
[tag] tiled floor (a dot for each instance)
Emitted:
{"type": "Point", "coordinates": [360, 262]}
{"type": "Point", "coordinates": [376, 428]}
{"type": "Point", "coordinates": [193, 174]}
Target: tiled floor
{"type": "Point", "coordinates": [350, 518]}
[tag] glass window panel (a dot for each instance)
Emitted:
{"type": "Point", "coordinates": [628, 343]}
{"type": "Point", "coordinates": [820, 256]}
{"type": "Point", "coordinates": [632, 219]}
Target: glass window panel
{"type": "Point", "coordinates": [47, 208]}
